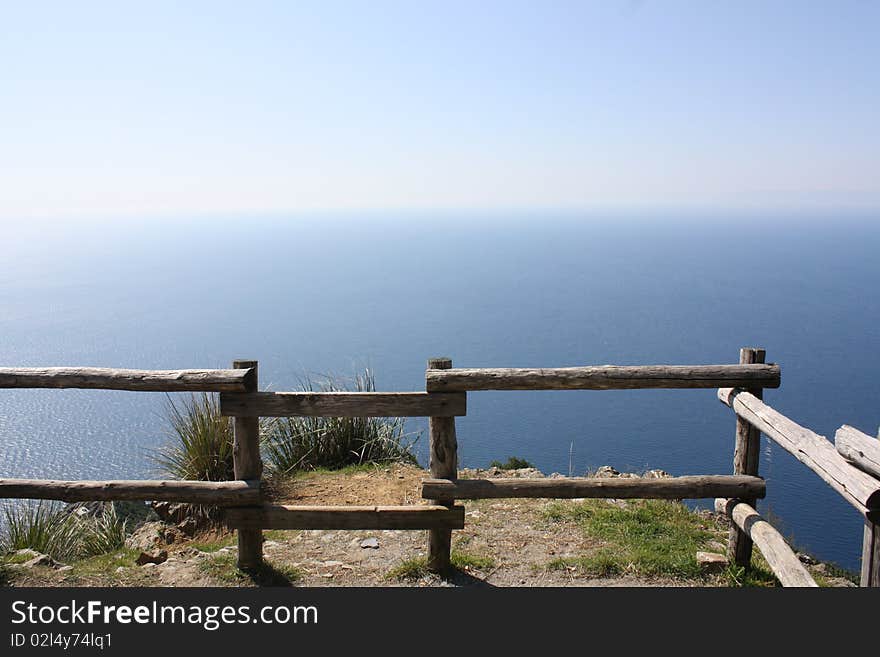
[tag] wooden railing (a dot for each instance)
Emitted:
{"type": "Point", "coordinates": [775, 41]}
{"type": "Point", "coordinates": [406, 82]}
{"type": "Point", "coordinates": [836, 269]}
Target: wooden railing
{"type": "Point", "coordinates": [214, 493]}
{"type": "Point", "coordinates": [850, 468]}
{"type": "Point", "coordinates": [444, 399]}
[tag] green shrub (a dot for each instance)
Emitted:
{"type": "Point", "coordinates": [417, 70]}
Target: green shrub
{"type": "Point", "coordinates": [308, 443]}
{"type": "Point", "coordinates": [512, 463]}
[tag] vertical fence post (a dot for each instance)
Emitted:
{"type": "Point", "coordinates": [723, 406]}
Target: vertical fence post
{"type": "Point", "coordinates": [248, 465]}
{"type": "Point", "coordinates": [871, 554]}
{"type": "Point", "coordinates": [745, 462]}
{"type": "Point", "coordinates": [444, 465]}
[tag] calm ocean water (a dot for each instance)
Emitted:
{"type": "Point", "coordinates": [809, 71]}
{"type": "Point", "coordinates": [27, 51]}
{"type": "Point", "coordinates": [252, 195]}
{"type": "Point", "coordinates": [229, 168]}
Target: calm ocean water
{"type": "Point", "coordinates": [333, 294]}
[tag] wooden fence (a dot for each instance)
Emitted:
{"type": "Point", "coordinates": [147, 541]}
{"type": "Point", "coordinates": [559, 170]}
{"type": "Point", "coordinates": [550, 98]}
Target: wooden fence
{"type": "Point", "coordinates": [444, 399]}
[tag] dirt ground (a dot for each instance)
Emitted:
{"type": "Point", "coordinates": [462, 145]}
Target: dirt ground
{"type": "Point", "coordinates": [507, 543]}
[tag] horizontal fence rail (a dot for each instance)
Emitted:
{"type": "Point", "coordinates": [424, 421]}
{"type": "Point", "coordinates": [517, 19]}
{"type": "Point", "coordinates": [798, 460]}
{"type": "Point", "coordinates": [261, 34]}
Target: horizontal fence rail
{"type": "Point", "coordinates": [784, 563]}
{"type": "Point", "coordinates": [859, 448]}
{"type": "Point", "coordinates": [344, 404]}
{"type": "Point", "coordinates": [105, 378]}
{"type": "Point", "coordinates": [815, 451]}
{"type": "Point", "coordinates": [346, 517]}
{"type": "Point", "coordinates": [211, 493]}
{"type": "Point", "coordinates": [604, 377]}
{"type": "Point", "coordinates": [672, 488]}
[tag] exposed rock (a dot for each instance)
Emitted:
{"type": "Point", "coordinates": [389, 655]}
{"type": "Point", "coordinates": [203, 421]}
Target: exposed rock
{"type": "Point", "coordinates": [64, 569]}
{"type": "Point", "coordinates": [188, 526]}
{"type": "Point", "coordinates": [806, 558]}
{"type": "Point", "coordinates": [27, 552]}
{"type": "Point", "coordinates": [710, 562]}
{"type": "Point", "coordinates": [657, 474]}
{"type": "Point", "coordinates": [526, 473]}
{"type": "Point", "coordinates": [146, 537]}
{"type": "Point", "coordinates": [171, 512]}
{"type": "Point", "coordinates": [370, 543]}
{"type": "Point", "coordinates": [40, 560]}
{"type": "Point", "coordinates": [606, 471]}
{"type": "Point", "coordinates": [154, 557]}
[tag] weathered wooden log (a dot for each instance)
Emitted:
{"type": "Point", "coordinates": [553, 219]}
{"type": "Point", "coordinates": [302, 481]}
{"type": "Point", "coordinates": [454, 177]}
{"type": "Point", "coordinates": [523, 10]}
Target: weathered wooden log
{"type": "Point", "coordinates": [672, 488]}
{"type": "Point", "coordinates": [346, 517]}
{"type": "Point", "coordinates": [747, 449]}
{"type": "Point", "coordinates": [443, 462]}
{"type": "Point", "coordinates": [871, 554]}
{"type": "Point", "coordinates": [604, 377]}
{"type": "Point", "coordinates": [859, 448]}
{"type": "Point", "coordinates": [782, 560]}
{"type": "Point", "coordinates": [106, 378]}
{"type": "Point", "coordinates": [211, 493]}
{"type": "Point", "coordinates": [815, 451]}
{"type": "Point", "coordinates": [248, 464]}
{"type": "Point", "coordinates": [344, 404]}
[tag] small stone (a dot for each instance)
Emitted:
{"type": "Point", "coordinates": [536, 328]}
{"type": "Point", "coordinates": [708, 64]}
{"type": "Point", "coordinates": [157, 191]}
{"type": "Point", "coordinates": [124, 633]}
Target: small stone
{"type": "Point", "coordinates": [607, 471]}
{"type": "Point", "coordinates": [271, 544]}
{"type": "Point", "coordinates": [370, 543]}
{"type": "Point", "coordinates": [120, 569]}
{"type": "Point", "coordinates": [806, 558]}
{"type": "Point", "coordinates": [64, 569]}
{"type": "Point", "coordinates": [711, 562]}
{"type": "Point", "coordinates": [153, 557]}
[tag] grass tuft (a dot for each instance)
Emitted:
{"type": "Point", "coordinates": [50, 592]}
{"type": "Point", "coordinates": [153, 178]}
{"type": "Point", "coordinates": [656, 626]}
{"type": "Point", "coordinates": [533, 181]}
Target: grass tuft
{"type": "Point", "coordinates": [224, 567]}
{"type": "Point", "coordinates": [417, 567]}
{"type": "Point", "coordinates": [309, 443]}
{"type": "Point", "coordinates": [201, 448]}
{"type": "Point", "coordinates": [52, 529]}
{"type": "Point", "coordinates": [104, 533]}
{"type": "Point", "coordinates": [643, 537]}
{"type": "Point", "coordinates": [44, 527]}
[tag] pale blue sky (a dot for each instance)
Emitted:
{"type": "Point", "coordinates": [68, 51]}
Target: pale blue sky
{"type": "Point", "coordinates": [120, 108]}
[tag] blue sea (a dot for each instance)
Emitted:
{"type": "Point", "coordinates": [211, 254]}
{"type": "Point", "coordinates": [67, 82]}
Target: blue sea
{"type": "Point", "coordinates": [323, 293]}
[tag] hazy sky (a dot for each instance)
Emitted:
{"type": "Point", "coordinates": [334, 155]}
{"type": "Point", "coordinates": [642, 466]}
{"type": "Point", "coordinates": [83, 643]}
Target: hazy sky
{"type": "Point", "coordinates": [116, 108]}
